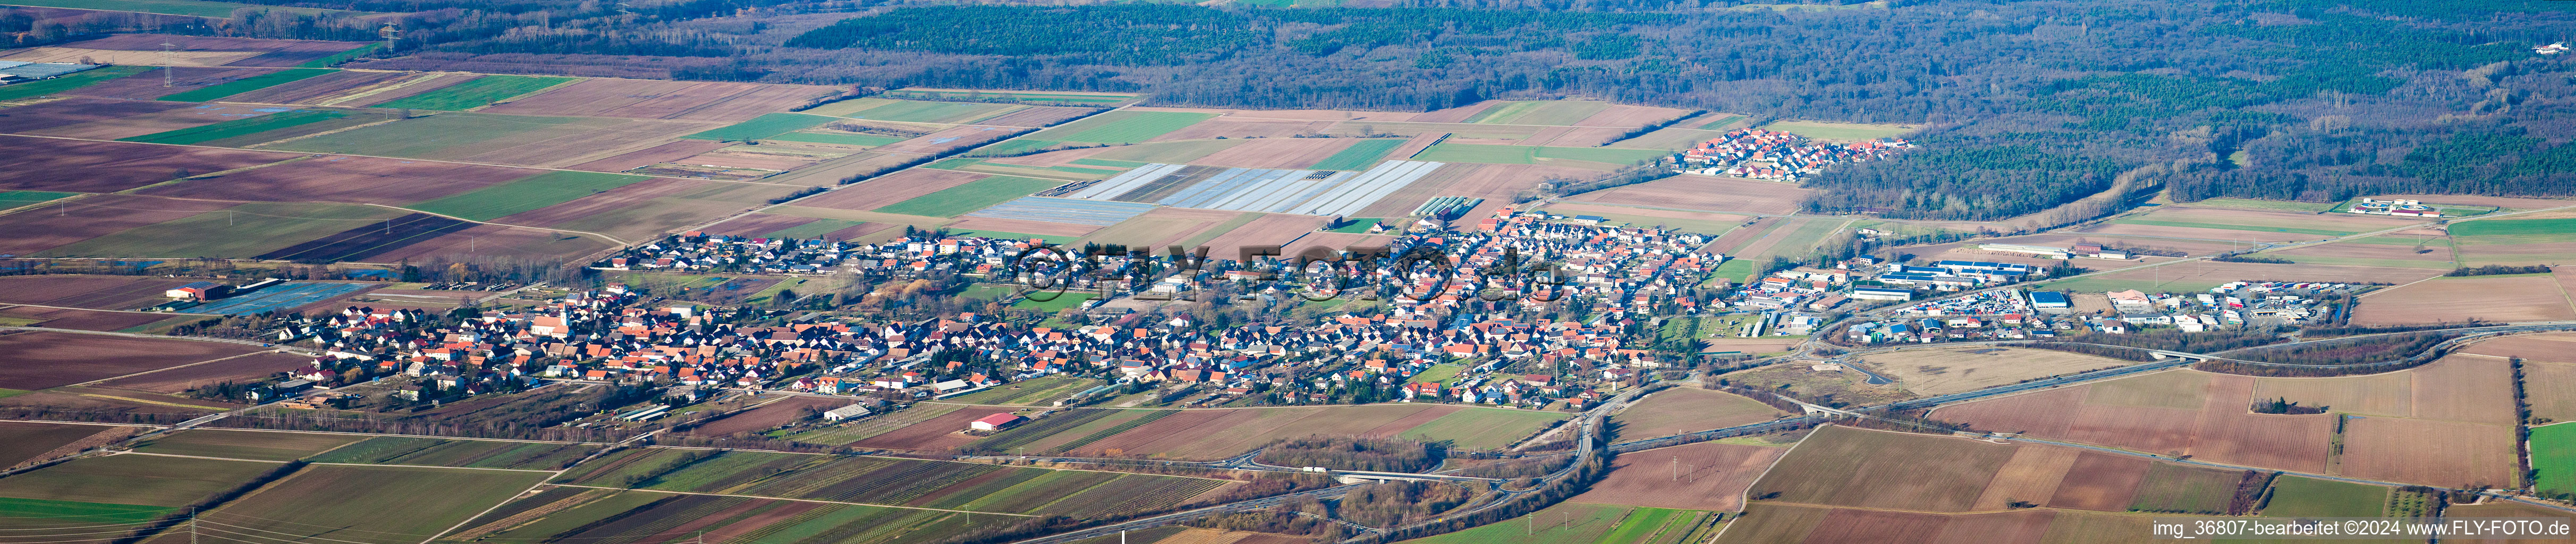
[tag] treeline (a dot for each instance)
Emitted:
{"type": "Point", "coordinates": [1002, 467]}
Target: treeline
{"type": "Point", "coordinates": [2499, 270]}
{"type": "Point", "coordinates": [1373, 454]}
{"type": "Point", "coordinates": [1386, 504]}
{"type": "Point", "coordinates": [2189, 342]}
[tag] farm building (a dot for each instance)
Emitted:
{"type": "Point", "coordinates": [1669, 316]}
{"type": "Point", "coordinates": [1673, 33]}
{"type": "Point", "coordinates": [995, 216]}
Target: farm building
{"type": "Point", "coordinates": [195, 290]}
{"type": "Point", "coordinates": [996, 422]}
{"type": "Point", "coordinates": [853, 411]}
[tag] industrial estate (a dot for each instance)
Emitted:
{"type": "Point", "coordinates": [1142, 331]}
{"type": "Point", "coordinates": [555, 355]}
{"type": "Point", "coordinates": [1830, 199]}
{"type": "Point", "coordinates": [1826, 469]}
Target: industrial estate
{"type": "Point", "coordinates": [258, 288]}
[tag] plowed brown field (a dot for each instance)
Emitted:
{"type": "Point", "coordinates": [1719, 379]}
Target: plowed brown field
{"type": "Point", "coordinates": [40, 360]}
{"type": "Point", "coordinates": [1703, 476]}
{"type": "Point", "coordinates": [337, 178]}
{"type": "Point", "coordinates": [53, 164]}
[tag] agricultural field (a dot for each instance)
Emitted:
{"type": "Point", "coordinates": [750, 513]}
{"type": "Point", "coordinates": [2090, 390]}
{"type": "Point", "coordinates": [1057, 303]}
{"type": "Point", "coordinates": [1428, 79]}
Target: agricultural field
{"type": "Point", "coordinates": [237, 128]}
{"type": "Point", "coordinates": [764, 126]}
{"type": "Point", "coordinates": [2247, 225]}
{"type": "Point", "coordinates": [1117, 127]}
{"type": "Point", "coordinates": [498, 139]}
{"type": "Point", "coordinates": [1708, 193]}
{"type": "Point", "coordinates": [1704, 476]}
{"type": "Point", "coordinates": [475, 93]}
{"type": "Point", "coordinates": [2397, 250]}
{"type": "Point", "coordinates": [649, 99]}
{"type": "Point", "coordinates": [213, 92]}
{"type": "Point", "coordinates": [1069, 98]}
{"type": "Point", "coordinates": [2294, 496]}
{"type": "Point", "coordinates": [526, 194]}
{"type": "Point", "coordinates": [69, 82]}
{"type": "Point", "coordinates": [247, 230]}
{"type": "Point", "coordinates": [1037, 391]}
{"type": "Point", "coordinates": [1484, 429]}
{"type": "Point", "coordinates": [1908, 471]}
{"type": "Point", "coordinates": [572, 514]}
{"type": "Point", "coordinates": [1221, 433]}
{"type": "Point", "coordinates": [875, 425]}
{"type": "Point", "coordinates": [41, 360]}
{"type": "Point", "coordinates": [2508, 298]}
{"type": "Point", "coordinates": [896, 482]}
{"type": "Point", "coordinates": [406, 450]}
{"type": "Point", "coordinates": [2553, 453]}
{"type": "Point", "coordinates": [254, 445]}
{"type": "Point", "coordinates": [50, 164]}
{"type": "Point", "coordinates": [350, 502]}
{"type": "Point", "coordinates": [22, 442]}
{"type": "Point", "coordinates": [1587, 523]}
{"type": "Point", "coordinates": [970, 196]}
{"type": "Point", "coordinates": [256, 366]}
{"type": "Point", "coordinates": [84, 291]}
{"type": "Point", "coordinates": [1770, 523]}
{"type": "Point", "coordinates": [1942, 371]}
{"type": "Point", "coordinates": [144, 480]}
{"type": "Point", "coordinates": [1686, 409]}
{"type": "Point", "coordinates": [1840, 131]}
{"type": "Point", "coordinates": [2205, 416]}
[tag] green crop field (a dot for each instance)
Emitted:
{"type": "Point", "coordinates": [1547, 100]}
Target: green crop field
{"type": "Point", "coordinates": [133, 479]}
{"type": "Point", "coordinates": [193, 8]}
{"type": "Point", "coordinates": [974, 195]}
{"type": "Point", "coordinates": [10, 199]}
{"type": "Point", "coordinates": [1033, 391]}
{"type": "Point", "coordinates": [247, 84]}
{"type": "Point", "coordinates": [1601, 154]}
{"type": "Point", "coordinates": [1483, 428]}
{"type": "Point", "coordinates": [236, 127]}
{"type": "Point", "coordinates": [2222, 226]}
{"type": "Point", "coordinates": [763, 127]}
{"type": "Point", "coordinates": [2263, 205]}
{"type": "Point", "coordinates": [2498, 227]}
{"type": "Point", "coordinates": [69, 82]}
{"type": "Point", "coordinates": [344, 56]}
{"type": "Point", "coordinates": [242, 231]}
{"type": "Point", "coordinates": [22, 515]}
{"type": "Point", "coordinates": [1564, 523]}
{"type": "Point", "coordinates": [476, 93]}
{"type": "Point", "coordinates": [2183, 489]}
{"type": "Point", "coordinates": [1477, 153]}
{"type": "Point", "coordinates": [2294, 496]}
{"type": "Point", "coordinates": [527, 193]}
{"type": "Point", "coordinates": [1359, 156]}
{"type": "Point", "coordinates": [1055, 302]}
{"type": "Point", "coordinates": [329, 503]}
{"type": "Point", "coordinates": [836, 139]}
{"type": "Point", "coordinates": [1437, 373]}
{"type": "Point", "coordinates": [2553, 452]}
{"type": "Point", "coordinates": [1121, 127]}
{"type": "Point", "coordinates": [425, 137]}
{"type": "Point", "coordinates": [260, 445]}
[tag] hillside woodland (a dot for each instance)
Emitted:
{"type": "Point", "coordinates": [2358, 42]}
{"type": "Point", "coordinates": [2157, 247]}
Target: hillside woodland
{"type": "Point", "coordinates": [2028, 105]}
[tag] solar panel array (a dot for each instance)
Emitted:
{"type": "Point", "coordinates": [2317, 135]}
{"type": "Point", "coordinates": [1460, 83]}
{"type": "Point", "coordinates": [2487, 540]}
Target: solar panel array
{"type": "Point", "coordinates": [1065, 210]}
{"type": "Point", "coordinates": [1305, 192]}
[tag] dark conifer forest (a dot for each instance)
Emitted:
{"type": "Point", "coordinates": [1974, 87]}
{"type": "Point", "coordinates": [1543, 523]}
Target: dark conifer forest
{"type": "Point", "coordinates": [2027, 105]}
